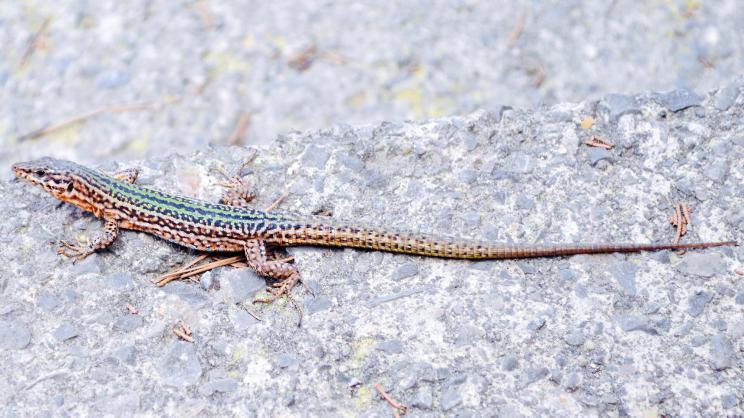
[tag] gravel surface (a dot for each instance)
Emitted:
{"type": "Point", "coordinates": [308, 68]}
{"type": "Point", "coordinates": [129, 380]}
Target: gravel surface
{"type": "Point", "coordinates": [201, 64]}
{"type": "Point", "coordinates": [641, 335]}
{"type": "Point", "coordinates": [503, 95]}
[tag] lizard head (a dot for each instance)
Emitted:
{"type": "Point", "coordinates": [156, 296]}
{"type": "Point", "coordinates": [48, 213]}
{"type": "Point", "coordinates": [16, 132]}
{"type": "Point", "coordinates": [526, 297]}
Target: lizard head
{"type": "Point", "coordinates": [57, 177]}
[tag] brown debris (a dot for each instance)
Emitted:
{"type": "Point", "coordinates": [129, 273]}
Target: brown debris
{"type": "Point", "coordinates": [598, 142]}
{"type": "Point", "coordinates": [188, 271]}
{"type": "Point", "coordinates": [37, 41]}
{"type": "Point", "coordinates": [184, 332]}
{"type": "Point", "coordinates": [132, 310]}
{"type": "Point", "coordinates": [680, 219]}
{"type": "Point", "coordinates": [238, 134]}
{"type": "Point", "coordinates": [133, 107]}
{"type": "Point", "coordinates": [516, 30]}
{"type": "Point", "coordinates": [400, 409]}
{"type": "Point", "coordinates": [303, 60]}
{"type": "Point", "coordinates": [539, 74]}
{"type": "Point", "coordinates": [277, 202]}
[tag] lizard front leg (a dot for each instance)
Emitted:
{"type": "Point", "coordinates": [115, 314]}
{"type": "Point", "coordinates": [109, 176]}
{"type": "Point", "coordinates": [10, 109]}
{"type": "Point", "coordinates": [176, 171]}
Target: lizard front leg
{"type": "Point", "coordinates": [101, 241]}
{"type": "Point", "coordinates": [287, 274]}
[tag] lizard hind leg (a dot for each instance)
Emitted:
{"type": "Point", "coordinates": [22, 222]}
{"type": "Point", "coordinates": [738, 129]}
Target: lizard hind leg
{"type": "Point", "coordinates": [286, 274]}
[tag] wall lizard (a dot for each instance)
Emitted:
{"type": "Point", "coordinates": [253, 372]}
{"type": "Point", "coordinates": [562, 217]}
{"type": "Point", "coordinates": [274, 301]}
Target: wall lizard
{"type": "Point", "coordinates": [232, 227]}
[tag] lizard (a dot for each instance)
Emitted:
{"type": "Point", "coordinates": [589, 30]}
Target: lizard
{"type": "Point", "coordinates": [232, 226]}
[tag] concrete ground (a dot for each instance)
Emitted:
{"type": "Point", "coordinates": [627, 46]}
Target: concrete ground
{"type": "Point", "coordinates": [501, 99]}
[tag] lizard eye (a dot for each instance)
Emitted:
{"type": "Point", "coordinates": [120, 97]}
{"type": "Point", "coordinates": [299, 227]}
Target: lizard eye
{"type": "Point", "coordinates": [70, 187]}
{"type": "Point", "coordinates": [39, 172]}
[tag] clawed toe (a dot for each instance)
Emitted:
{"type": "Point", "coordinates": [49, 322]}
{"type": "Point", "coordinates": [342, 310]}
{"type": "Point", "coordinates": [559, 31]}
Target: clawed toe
{"type": "Point", "coordinates": [76, 251]}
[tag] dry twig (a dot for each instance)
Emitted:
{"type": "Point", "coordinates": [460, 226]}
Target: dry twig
{"type": "Point", "coordinates": [35, 42]}
{"type": "Point", "coordinates": [680, 219]}
{"type": "Point", "coordinates": [516, 30]}
{"type": "Point", "coordinates": [400, 409]}
{"type": "Point", "coordinates": [188, 272]}
{"type": "Point", "coordinates": [237, 135]}
{"type": "Point", "coordinates": [303, 60]}
{"type": "Point", "coordinates": [184, 332]}
{"type": "Point", "coordinates": [277, 202]}
{"type": "Point", "coordinates": [596, 141]}
{"type": "Point", "coordinates": [85, 116]}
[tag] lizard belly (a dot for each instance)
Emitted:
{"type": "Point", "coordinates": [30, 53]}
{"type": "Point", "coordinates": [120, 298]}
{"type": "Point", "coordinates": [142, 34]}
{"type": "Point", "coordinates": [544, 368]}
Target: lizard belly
{"type": "Point", "coordinates": [198, 240]}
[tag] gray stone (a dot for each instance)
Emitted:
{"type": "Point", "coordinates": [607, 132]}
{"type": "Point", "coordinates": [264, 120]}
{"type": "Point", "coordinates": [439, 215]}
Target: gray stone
{"type": "Point", "coordinates": [722, 354]}
{"type": "Point", "coordinates": [696, 303]}
{"type": "Point", "coordinates": [726, 97]}
{"type": "Point", "coordinates": [405, 271]}
{"type": "Point", "coordinates": [536, 324]}
{"type": "Point", "coordinates": [119, 281]}
{"type": "Point", "coordinates": [620, 104]}
{"type": "Point", "coordinates": [572, 382]}
{"type": "Point", "coordinates": [125, 355]}
{"type": "Point", "coordinates": [206, 281]}
{"type": "Point", "coordinates": [509, 363]}
{"type": "Point", "coordinates": [47, 301]}
{"type": "Point", "coordinates": [468, 176]}
{"type": "Point", "coordinates": [740, 298]}
{"type": "Point", "coordinates": [717, 171]}
{"type": "Point", "coordinates": [471, 219]}
{"type": "Point", "coordinates": [124, 403]}
{"type": "Point", "coordinates": [625, 275]}
{"type": "Point", "coordinates": [520, 163]}
{"type": "Point", "coordinates": [409, 374]}
{"type": "Point", "coordinates": [423, 398]}
{"type": "Point", "coordinates": [317, 304]}
{"type": "Point", "coordinates": [351, 162]}
{"type": "Point", "coordinates": [451, 398]}
{"type": "Point", "coordinates": [390, 346]}
{"type": "Point", "coordinates": [678, 99]}
{"type": "Point", "coordinates": [113, 79]}
{"type": "Point", "coordinates": [90, 264]}
{"type": "Point", "coordinates": [284, 361]}
{"type": "Point", "coordinates": [525, 203]}
{"type": "Point", "coordinates": [187, 292]}
{"type": "Point", "coordinates": [180, 367]}
{"type": "Point", "coordinates": [698, 340]}
{"type": "Point", "coordinates": [630, 323]}
{"type": "Point", "coordinates": [14, 336]}
{"type": "Point", "coordinates": [315, 156]}
{"type": "Point", "coordinates": [704, 264]}
{"type": "Point", "coordinates": [595, 155]}
{"type": "Point", "coordinates": [128, 322]}
{"type": "Point", "coordinates": [242, 320]}
{"type": "Point", "coordinates": [241, 284]}
{"type": "Point", "coordinates": [467, 334]}
{"type": "Point", "coordinates": [65, 332]}
{"type": "Point", "coordinates": [533, 374]}
{"type": "Point", "coordinates": [58, 400]}
{"type": "Point", "coordinates": [9, 308]}
{"type": "Point", "coordinates": [221, 385]}
{"type": "Point", "coordinates": [574, 338]}
{"type": "Point", "coordinates": [728, 401]}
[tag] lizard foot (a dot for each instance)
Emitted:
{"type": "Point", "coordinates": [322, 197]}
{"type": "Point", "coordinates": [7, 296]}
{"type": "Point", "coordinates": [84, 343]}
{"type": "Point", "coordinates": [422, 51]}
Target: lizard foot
{"type": "Point", "coordinates": [76, 251]}
{"type": "Point", "coordinates": [283, 288]}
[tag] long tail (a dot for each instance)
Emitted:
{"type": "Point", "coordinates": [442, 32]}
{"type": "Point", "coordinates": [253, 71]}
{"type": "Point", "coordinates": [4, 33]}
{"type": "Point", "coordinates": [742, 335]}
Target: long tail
{"type": "Point", "coordinates": [433, 246]}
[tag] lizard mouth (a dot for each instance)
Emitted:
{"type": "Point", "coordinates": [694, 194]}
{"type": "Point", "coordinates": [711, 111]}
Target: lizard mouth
{"type": "Point", "coordinates": [24, 172]}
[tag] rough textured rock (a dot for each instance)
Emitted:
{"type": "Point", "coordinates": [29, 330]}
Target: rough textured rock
{"type": "Point", "coordinates": [583, 335]}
